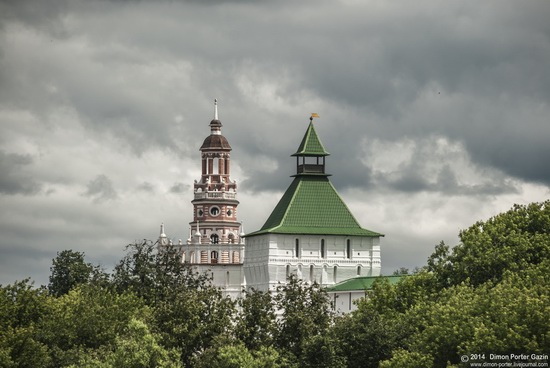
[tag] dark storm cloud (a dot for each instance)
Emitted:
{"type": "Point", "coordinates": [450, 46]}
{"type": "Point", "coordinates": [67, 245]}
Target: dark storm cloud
{"type": "Point", "coordinates": [380, 62]}
{"type": "Point", "coordinates": [101, 189]}
{"type": "Point", "coordinates": [446, 183]}
{"type": "Point", "coordinates": [491, 70]}
{"type": "Point", "coordinates": [35, 13]}
{"type": "Point", "coordinates": [13, 178]}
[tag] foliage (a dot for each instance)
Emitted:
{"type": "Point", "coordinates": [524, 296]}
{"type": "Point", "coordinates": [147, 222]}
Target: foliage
{"type": "Point", "coordinates": [401, 271]}
{"type": "Point", "coordinates": [404, 358]}
{"type": "Point", "coordinates": [305, 314]}
{"type": "Point", "coordinates": [22, 307]}
{"type": "Point", "coordinates": [373, 331]}
{"type": "Point", "coordinates": [88, 317]}
{"type": "Point", "coordinates": [68, 270]}
{"type": "Point", "coordinates": [135, 347]}
{"type": "Point", "coordinates": [187, 311]}
{"type": "Point", "coordinates": [255, 325]}
{"type": "Point", "coordinates": [155, 275]}
{"type": "Point", "coordinates": [488, 294]}
{"type": "Point", "coordinates": [189, 319]}
{"type": "Point", "coordinates": [226, 351]}
{"type": "Point", "coordinates": [511, 241]}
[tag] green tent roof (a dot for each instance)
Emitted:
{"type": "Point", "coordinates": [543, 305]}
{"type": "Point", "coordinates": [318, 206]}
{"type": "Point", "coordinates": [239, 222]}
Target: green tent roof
{"type": "Point", "coordinates": [311, 205]}
{"type": "Point", "coordinates": [362, 283]}
{"type": "Point", "coordinates": [311, 144]}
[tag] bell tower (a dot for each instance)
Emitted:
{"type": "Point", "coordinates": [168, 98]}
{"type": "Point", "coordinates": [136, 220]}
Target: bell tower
{"type": "Point", "coordinates": [215, 231]}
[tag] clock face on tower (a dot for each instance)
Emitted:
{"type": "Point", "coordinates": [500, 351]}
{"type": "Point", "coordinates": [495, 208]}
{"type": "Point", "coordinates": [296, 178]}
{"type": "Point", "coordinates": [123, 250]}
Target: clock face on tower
{"type": "Point", "coordinates": [214, 211]}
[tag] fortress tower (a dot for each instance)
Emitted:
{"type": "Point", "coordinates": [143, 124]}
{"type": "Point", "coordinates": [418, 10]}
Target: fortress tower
{"type": "Point", "coordinates": [311, 232]}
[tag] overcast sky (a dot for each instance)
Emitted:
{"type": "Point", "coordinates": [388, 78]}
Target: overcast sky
{"type": "Point", "coordinates": [436, 115]}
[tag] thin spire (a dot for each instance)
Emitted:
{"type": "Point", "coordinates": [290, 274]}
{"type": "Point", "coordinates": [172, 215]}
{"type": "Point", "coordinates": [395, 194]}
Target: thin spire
{"type": "Point", "coordinates": [216, 109]}
{"type": "Point", "coordinates": [162, 234]}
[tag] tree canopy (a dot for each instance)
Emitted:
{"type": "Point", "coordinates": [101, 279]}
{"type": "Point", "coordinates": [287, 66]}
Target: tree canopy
{"type": "Point", "coordinates": [487, 295]}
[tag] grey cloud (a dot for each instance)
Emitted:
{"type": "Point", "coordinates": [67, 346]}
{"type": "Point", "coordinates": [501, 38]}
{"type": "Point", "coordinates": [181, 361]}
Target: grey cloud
{"type": "Point", "coordinates": [14, 179]}
{"type": "Point", "coordinates": [33, 12]}
{"type": "Point", "coordinates": [380, 62]}
{"type": "Point", "coordinates": [180, 188]}
{"type": "Point", "coordinates": [446, 183]}
{"type": "Point", "coordinates": [144, 75]}
{"type": "Point", "coordinates": [146, 187]}
{"type": "Point", "coordinates": [101, 189]}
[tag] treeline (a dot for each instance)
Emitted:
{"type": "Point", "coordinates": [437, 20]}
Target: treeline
{"type": "Point", "coordinates": [488, 295]}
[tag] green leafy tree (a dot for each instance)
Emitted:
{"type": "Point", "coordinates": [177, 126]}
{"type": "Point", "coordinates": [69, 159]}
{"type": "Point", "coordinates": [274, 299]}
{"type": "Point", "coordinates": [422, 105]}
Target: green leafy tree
{"type": "Point", "coordinates": [513, 241]}
{"type": "Point", "coordinates": [89, 317]}
{"type": "Point", "coordinates": [188, 312]}
{"type": "Point", "coordinates": [305, 314]}
{"type": "Point", "coordinates": [502, 318]}
{"type": "Point", "coordinates": [375, 329]}
{"type": "Point", "coordinates": [403, 358]}
{"type": "Point", "coordinates": [439, 263]}
{"type": "Point", "coordinates": [22, 308]}
{"type": "Point", "coordinates": [135, 347]}
{"type": "Point", "coordinates": [69, 270]}
{"type": "Point", "coordinates": [489, 294]}
{"type": "Point", "coordinates": [323, 351]}
{"type": "Point", "coordinates": [226, 352]}
{"type": "Point", "coordinates": [189, 319]}
{"type": "Point", "coordinates": [255, 323]}
{"type": "Point", "coordinates": [155, 275]}
{"type": "Point", "coordinates": [401, 271]}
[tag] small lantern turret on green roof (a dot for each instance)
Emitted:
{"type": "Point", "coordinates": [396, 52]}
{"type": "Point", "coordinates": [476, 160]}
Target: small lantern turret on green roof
{"type": "Point", "coordinates": [310, 156]}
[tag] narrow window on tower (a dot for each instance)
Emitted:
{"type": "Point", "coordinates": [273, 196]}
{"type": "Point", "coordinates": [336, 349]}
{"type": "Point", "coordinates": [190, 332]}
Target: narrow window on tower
{"type": "Point", "coordinates": [323, 254]}
{"type": "Point", "coordinates": [348, 248]}
{"type": "Point", "coordinates": [297, 248]}
{"type": "Point", "coordinates": [215, 165]}
{"type": "Point", "coordinates": [214, 257]}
